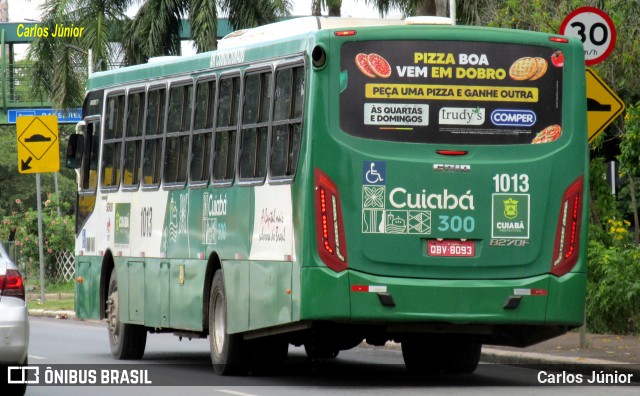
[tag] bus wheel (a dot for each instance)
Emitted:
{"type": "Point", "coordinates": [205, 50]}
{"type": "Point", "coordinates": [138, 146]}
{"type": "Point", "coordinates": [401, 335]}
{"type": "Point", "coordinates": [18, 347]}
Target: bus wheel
{"type": "Point", "coordinates": [269, 356]}
{"type": "Point", "coordinates": [463, 357]}
{"type": "Point", "coordinates": [127, 341]}
{"type": "Point", "coordinates": [228, 351]}
{"type": "Point", "coordinates": [421, 356]}
{"type": "Point", "coordinates": [429, 356]}
{"type": "Point", "coordinates": [321, 351]}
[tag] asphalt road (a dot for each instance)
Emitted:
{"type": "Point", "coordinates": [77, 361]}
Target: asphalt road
{"type": "Point", "coordinates": [177, 367]}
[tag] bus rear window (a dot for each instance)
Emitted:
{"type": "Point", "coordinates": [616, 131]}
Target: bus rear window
{"type": "Point", "coordinates": [451, 92]}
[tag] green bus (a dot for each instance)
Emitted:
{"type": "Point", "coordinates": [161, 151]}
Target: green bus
{"type": "Point", "coordinates": [322, 182]}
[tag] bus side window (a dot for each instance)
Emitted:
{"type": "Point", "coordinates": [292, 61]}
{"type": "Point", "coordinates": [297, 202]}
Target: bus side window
{"type": "Point", "coordinates": [153, 137]}
{"type": "Point", "coordinates": [287, 123]}
{"type": "Point", "coordinates": [89, 175]}
{"type": "Point", "coordinates": [177, 139]}
{"type": "Point", "coordinates": [133, 139]}
{"type": "Point", "coordinates": [226, 129]}
{"type": "Point", "coordinates": [254, 131]}
{"type": "Point", "coordinates": [202, 127]}
{"type": "Point", "coordinates": [111, 152]}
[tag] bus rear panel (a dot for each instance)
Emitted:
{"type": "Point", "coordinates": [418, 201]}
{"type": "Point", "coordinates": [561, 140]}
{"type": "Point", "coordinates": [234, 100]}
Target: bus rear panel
{"type": "Point", "coordinates": [449, 184]}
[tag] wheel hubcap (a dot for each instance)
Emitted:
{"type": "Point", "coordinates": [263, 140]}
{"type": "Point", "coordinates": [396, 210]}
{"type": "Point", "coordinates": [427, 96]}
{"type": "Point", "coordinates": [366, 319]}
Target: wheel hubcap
{"type": "Point", "coordinates": [218, 324]}
{"type": "Point", "coordinates": [112, 314]}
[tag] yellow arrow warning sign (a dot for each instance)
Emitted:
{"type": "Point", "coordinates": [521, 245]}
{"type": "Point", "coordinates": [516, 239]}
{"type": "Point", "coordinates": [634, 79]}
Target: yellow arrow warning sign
{"type": "Point", "coordinates": [38, 144]}
{"type": "Point", "coordinates": [603, 105]}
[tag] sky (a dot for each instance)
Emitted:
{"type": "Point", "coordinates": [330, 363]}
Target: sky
{"type": "Point", "coordinates": [22, 10]}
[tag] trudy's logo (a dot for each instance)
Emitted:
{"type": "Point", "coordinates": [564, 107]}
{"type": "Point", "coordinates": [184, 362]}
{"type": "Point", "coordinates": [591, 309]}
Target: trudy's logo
{"type": "Point", "coordinates": [513, 117]}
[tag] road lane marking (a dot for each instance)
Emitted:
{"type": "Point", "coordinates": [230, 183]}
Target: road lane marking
{"type": "Point", "coordinates": [234, 393]}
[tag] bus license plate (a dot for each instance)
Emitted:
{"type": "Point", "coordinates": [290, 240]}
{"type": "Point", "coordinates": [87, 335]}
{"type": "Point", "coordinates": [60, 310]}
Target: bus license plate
{"type": "Point", "coordinates": [451, 248]}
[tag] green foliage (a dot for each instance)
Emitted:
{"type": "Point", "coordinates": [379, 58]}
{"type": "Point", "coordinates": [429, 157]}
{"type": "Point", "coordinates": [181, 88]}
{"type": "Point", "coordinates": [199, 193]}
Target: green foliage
{"type": "Point", "coordinates": [58, 232]}
{"type": "Point", "coordinates": [630, 146]}
{"type": "Point", "coordinates": [604, 204]}
{"type": "Point", "coordinates": [613, 292]}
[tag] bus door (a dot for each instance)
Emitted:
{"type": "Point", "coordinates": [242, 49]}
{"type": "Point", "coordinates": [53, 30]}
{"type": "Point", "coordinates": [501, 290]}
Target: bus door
{"type": "Point", "coordinates": [82, 154]}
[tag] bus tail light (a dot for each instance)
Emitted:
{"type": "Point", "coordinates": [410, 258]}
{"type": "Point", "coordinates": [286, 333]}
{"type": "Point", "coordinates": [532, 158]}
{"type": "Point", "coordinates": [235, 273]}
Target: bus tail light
{"type": "Point", "coordinates": [332, 247]}
{"type": "Point", "coordinates": [557, 39]}
{"type": "Point", "coordinates": [567, 246]}
{"type": "Point", "coordinates": [344, 33]}
{"type": "Point", "coordinates": [11, 284]}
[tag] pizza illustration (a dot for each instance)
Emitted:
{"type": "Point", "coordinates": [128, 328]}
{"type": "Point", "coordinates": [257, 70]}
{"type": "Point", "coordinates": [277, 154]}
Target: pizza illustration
{"type": "Point", "coordinates": [379, 65]}
{"type": "Point", "coordinates": [548, 134]}
{"type": "Point", "coordinates": [541, 68]}
{"type": "Point", "coordinates": [373, 65]}
{"type": "Point", "coordinates": [528, 68]}
{"type": "Point", "coordinates": [363, 65]}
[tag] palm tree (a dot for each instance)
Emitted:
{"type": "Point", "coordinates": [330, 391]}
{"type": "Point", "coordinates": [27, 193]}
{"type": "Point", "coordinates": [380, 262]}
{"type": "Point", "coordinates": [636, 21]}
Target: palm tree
{"type": "Point", "coordinates": [333, 6]}
{"type": "Point", "coordinates": [467, 11]}
{"type": "Point", "coordinates": [58, 60]}
{"type": "Point", "coordinates": [155, 29]}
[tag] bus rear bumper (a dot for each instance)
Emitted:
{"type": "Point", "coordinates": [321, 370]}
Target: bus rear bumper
{"type": "Point", "coordinates": [540, 300]}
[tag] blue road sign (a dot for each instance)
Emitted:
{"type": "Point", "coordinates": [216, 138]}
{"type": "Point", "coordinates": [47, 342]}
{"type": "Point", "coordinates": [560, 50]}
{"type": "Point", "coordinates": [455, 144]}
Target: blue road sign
{"type": "Point", "coordinates": [67, 117]}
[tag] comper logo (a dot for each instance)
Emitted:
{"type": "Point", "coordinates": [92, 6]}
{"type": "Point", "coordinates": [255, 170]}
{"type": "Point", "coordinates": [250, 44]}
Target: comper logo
{"type": "Point", "coordinates": [504, 117]}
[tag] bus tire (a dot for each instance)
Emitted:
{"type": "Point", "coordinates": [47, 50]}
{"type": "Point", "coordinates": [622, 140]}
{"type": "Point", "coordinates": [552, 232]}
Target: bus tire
{"type": "Point", "coordinates": [321, 351]}
{"type": "Point", "coordinates": [463, 357]}
{"type": "Point", "coordinates": [421, 356]}
{"type": "Point", "coordinates": [269, 355]}
{"type": "Point", "coordinates": [433, 356]}
{"type": "Point", "coordinates": [127, 341]}
{"type": "Point", "coordinates": [229, 354]}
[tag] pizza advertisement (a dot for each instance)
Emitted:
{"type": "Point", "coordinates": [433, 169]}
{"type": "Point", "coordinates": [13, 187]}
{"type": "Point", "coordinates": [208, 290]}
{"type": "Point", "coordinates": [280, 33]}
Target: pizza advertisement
{"type": "Point", "coordinates": [451, 92]}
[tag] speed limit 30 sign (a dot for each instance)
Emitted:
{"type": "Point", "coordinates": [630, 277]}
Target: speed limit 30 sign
{"type": "Point", "coordinates": [596, 31]}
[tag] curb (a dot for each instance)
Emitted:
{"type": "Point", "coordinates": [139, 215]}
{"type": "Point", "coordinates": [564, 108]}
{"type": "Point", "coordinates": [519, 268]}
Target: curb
{"type": "Point", "coordinates": [555, 363]}
{"type": "Point", "coordinates": [49, 296]}
{"type": "Point", "coordinates": [579, 365]}
{"type": "Point", "coordinates": [41, 313]}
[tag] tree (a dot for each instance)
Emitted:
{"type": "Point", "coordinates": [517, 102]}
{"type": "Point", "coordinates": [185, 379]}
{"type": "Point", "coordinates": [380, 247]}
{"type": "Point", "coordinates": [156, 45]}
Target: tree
{"type": "Point", "coordinates": [333, 6]}
{"type": "Point", "coordinates": [155, 29]}
{"type": "Point", "coordinates": [467, 11]}
{"type": "Point", "coordinates": [60, 63]}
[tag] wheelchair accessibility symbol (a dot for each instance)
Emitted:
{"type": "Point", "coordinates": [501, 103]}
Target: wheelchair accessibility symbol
{"type": "Point", "coordinates": [374, 173]}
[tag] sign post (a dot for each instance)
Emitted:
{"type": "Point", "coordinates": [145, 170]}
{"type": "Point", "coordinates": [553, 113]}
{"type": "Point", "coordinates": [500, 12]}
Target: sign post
{"type": "Point", "coordinates": [603, 105]}
{"type": "Point", "coordinates": [38, 151]}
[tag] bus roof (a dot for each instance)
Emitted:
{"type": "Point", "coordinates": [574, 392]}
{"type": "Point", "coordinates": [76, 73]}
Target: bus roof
{"type": "Point", "coordinates": [174, 65]}
{"type": "Point", "coordinates": [291, 30]}
{"type": "Point", "coordinates": [295, 26]}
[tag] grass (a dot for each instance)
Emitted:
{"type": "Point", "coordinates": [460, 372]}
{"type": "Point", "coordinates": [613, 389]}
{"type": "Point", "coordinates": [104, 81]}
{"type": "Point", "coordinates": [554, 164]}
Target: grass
{"type": "Point", "coordinates": [52, 303]}
{"type": "Point", "coordinates": [32, 285]}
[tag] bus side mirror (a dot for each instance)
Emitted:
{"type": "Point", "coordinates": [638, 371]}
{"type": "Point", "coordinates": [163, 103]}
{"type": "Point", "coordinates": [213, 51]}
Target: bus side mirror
{"type": "Point", "coordinates": [75, 151]}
